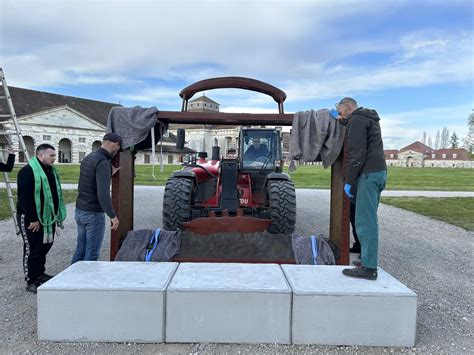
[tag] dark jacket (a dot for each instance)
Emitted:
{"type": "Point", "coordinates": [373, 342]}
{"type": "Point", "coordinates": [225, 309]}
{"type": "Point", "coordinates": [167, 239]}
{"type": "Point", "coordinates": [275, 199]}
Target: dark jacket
{"type": "Point", "coordinates": [253, 152]}
{"type": "Point", "coordinates": [364, 143]}
{"type": "Point", "coordinates": [26, 191]}
{"type": "Point", "coordinates": [9, 165]}
{"type": "Point", "coordinates": [94, 183]}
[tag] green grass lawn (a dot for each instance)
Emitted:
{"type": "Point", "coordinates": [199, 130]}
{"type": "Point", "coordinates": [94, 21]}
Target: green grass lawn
{"type": "Point", "coordinates": [69, 196]}
{"type": "Point", "coordinates": [454, 210]}
{"type": "Point", "coordinates": [426, 179]}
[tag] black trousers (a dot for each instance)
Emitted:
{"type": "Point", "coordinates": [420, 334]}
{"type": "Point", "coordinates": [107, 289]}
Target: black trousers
{"type": "Point", "coordinates": [34, 251]}
{"type": "Point", "coordinates": [352, 217]}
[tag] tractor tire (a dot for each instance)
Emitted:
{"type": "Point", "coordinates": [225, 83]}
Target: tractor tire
{"type": "Point", "coordinates": [177, 202]}
{"type": "Point", "coordinates": [282, 206]}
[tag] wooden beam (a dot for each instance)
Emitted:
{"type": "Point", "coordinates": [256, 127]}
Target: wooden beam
{"type": "Point", "coordinates": [223, 118]}
{"type": "Point", "coordinates": [339, 217]}
{"type": "Point", "coordinates": [122, 199]}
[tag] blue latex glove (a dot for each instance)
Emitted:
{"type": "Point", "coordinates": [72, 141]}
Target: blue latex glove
{"type": "Point", "coordinates": [334, 114]}
{"type": "Point", "coordinates": [347, 190]}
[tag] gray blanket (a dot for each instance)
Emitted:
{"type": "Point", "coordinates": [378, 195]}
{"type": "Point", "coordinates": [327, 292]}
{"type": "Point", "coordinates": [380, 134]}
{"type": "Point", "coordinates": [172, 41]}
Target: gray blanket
{"type": "Point", "coordinates": [133, 124]}
{"type": "Point", "coordinates": [304, 253]}
{"type": "Point", "coordinates": [315, 136]}
{"type": "Point", "coordinates": [134, 247]}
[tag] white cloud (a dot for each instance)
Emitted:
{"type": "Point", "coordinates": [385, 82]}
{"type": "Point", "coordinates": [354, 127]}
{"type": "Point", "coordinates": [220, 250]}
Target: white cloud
{"type": "Point", "coordinates": [402, 128]}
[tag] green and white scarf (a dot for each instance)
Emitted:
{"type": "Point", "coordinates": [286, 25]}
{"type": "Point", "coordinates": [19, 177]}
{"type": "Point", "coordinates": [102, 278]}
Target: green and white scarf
{"type": "Point", "coordinates": [48, 217]}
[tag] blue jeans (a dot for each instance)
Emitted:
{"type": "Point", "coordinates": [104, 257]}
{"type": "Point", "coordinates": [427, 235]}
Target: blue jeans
{"type": "Point", "coordinates": [90, 234]}
{"type": "Point", "coordinates": [369, 188]}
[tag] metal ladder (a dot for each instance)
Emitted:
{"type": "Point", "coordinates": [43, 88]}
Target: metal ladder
{"type": "Point", "coordinates": [11, 118]}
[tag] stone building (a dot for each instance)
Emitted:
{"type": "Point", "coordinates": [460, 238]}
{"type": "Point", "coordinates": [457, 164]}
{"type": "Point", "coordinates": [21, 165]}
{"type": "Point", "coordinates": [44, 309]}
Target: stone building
{"type": "Point", "coordinates": [74, 126]}
{"type": "Point", "coordinates": [202, 138]}
{"type": "Point", "coordinates": [419, 155]}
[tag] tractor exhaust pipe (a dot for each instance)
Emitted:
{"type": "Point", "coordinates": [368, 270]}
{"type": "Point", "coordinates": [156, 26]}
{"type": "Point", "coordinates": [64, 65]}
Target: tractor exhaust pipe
{"type": "Point", "coordinates": [216, 151]}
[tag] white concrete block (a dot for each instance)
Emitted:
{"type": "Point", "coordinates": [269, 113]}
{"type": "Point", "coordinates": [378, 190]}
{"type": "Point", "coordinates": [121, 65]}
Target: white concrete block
{"type": "Point", "coordinates": [332, 309]}
{"type": "Point", "coordinates": [105, 301]}
{"type": "Point", "coordinates": [228, 303]}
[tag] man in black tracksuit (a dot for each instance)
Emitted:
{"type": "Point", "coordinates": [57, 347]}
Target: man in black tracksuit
{"type": "Point", "coordinates": [366, 167]}
{"type": "Point", "coordinates": [32, 232]}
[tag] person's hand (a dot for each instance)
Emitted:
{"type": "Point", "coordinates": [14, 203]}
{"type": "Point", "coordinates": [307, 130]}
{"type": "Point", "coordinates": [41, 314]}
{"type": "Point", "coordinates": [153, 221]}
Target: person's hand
{"type": "Point", "coordinates": [34, 226]}
{"type": "Point", "coordinates": [115, 223]}
{"type": "Point", "coordinates": [10, 150]}
{"type": "Point", "coordinates": [334, 114]}
{"type": "Point", "coordinates": [347, 190]}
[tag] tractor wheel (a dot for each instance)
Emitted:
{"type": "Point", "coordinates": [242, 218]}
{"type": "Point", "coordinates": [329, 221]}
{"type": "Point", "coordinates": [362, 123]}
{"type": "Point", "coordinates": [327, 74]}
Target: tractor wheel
{"type": "Point", "coordinates": [282, 206]}
{"type": "Point", "coordinates": [177, 202]}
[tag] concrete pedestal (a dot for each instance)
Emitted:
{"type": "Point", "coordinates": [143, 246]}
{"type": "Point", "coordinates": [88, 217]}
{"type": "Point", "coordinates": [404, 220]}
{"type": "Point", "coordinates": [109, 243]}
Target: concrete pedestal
{"type": "Point", "coordinates": [228, 303]}
{"type": "Point", "coordinates": [105, 301]}
{"type": "Point", "coordinates": [332, 309]}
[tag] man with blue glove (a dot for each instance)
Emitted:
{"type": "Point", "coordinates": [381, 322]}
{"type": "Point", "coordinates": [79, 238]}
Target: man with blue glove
{"type": "Point", "coordinates": [365, 166]}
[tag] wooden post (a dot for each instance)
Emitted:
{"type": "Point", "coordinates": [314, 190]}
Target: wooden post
{"type": "Point", "coordinates": [122, 199]}
{"type": "Point", "coordinates": [339, 218]}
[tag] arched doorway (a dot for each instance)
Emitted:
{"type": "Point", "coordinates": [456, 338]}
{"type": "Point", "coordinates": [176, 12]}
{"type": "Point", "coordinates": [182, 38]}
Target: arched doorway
{"type": "Point", "coordinates": [30, 148]}
{"type": "Point", "coordinates": [410, 162]}
{"type": "Point", "coordinates": [96, 145]}
{"type": "Point", "coordinates": [65, 148]}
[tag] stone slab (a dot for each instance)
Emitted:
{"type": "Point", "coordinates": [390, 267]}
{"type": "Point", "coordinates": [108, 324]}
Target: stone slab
{"type": "Point", "coordinates": [228, 303]}
{"type": "Point", "coordinates": [105, 301]}
{"type": "Point", "coordinates": [332, 309]}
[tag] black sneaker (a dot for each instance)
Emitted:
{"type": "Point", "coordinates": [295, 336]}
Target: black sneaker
{"type": "Point", "coordinates": [361, 273]}
{"type": "Point", "coordinates": [32, 288]}
{"type": "Point", "coordinates": [46, 278]}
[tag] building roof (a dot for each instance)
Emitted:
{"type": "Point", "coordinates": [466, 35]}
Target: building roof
{"type": "Point", "coordinates": [417, 147]}
{"type": "Point", "coordinates": [388, 152]}
{"type": "Point", "coordinates": [205, 99]}
{"type": "Point", "coordinates": [26, 102]}
{"type": "Point", "coordinates": [461, 154]}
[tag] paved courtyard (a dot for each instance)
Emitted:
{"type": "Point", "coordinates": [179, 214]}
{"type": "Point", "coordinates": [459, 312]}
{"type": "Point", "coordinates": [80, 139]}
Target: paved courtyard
{"type": "Point", "coordinates": [433, 258]}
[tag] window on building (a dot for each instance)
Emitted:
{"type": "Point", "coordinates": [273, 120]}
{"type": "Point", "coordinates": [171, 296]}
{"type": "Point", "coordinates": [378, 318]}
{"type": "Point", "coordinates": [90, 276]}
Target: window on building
{"type": "Point", "coordinates": [46, 138]}
{"type": "Point", "coordinates": [454, 165]}
{"type": "Point", "coordinates": [170, 159]}
{"type": "Point", "coordinates": [82, 140]}
{"type": "Point", "coordinates": [433, 156]}
{"type": "Point", "coordinates": [147, 159]}
{"type": "Point", "coordinates": [455, 155]}
{"type": "Point", "coordinates": [444, 156]}
{"type": "Point", "coordinates": [391, 156]}
{"type": "Point", "coordinates": [432, 165]}
{"type": "Point", "coordinates": [82, 155]}
{"type": "Point", "coordinates": [205, 105]}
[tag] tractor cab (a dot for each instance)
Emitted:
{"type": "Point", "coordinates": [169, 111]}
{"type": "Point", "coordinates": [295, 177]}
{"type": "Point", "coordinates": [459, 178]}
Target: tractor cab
{"type": "Point", "coordinates": [260, 150]}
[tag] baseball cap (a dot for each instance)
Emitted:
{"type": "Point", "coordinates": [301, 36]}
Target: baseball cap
{"type": "Point", "coordinates": [113, 137]}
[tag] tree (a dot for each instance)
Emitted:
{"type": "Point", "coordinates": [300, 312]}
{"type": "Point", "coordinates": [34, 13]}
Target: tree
{"type": "Point", "coordinates": [468, 140]}
{"type": "Point", "coordinates": [430, 142]}
{"type": "Point", "coordinates": [444, 138]}
{"type": "Point", "coordinates": [423, 140]}
{"type": "Point", "coordinates": [437, 141]}
{"type": "Point", "coordinates": [454, 141]}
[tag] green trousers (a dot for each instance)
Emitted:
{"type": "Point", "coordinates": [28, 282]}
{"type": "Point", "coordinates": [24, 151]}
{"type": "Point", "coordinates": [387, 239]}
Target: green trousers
{"type": "Point", "coordinates": [369, 188]}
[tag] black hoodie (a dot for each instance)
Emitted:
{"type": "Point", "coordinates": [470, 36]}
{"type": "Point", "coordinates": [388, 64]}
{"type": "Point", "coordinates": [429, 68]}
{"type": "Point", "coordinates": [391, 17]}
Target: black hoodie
{"type": "Point", "coordinates": [365, 146]}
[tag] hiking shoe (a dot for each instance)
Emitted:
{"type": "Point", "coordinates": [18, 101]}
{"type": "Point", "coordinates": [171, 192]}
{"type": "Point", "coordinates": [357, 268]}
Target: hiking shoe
{"type": "Point", "coordinates": [357, 263]}
{"type": "Point", "coordinates": [31, 288]}
{"type": "Point", "coordinates": [46, 278]}
{"type": "Point", "coordinates": [361, 273]}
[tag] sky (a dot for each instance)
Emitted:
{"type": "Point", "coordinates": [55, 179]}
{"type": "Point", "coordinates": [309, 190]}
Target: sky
{"type": "Point", "coordinates": [412, 61]}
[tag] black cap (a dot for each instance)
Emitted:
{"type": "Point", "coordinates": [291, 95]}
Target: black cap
{"type": "Point", "coordinates": [113, 137]}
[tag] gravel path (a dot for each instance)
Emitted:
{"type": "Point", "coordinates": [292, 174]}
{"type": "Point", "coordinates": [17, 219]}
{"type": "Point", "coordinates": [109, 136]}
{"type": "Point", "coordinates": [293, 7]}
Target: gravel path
{"type": "Point", "coordinates": [432, 258]}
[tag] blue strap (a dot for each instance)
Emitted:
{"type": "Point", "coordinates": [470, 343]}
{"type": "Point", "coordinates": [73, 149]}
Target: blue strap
{"type": "Point", "coordinates": [155, 238]}
{"type": "Point", "coordinates": [314, 246]}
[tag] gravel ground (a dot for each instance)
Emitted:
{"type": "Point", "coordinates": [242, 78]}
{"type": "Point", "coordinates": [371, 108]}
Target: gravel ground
{"type": "Point", "coordinates": [431, 257]}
